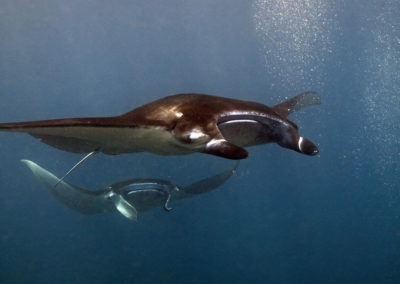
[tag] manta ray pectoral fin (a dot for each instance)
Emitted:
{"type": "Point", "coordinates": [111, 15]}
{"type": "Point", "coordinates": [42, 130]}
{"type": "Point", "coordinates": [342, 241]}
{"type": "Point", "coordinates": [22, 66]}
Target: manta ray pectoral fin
{"type": "Point", "coordinates": [222, 148]}
{"type": "Point", "coordinates": [297, 103]}
{"type": "Point", "coordinates": [210, 183]}
{"type": "Point", "coordinates": [124, 207]}
{"type": "Point", "coordinates": [81, 200]}
{"type": "Point", "coordinates": [69, 144]}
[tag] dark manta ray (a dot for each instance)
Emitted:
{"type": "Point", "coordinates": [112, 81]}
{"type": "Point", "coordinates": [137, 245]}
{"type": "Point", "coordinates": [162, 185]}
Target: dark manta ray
{"type": "Point", "coordinates": [179, 124]}
{"type": "Point", "coordinates": [128, 197]}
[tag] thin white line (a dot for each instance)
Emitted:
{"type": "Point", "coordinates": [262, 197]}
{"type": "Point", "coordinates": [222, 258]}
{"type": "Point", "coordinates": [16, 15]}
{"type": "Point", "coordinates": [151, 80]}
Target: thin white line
{"type": "Point", "coordinates": [300, 142]}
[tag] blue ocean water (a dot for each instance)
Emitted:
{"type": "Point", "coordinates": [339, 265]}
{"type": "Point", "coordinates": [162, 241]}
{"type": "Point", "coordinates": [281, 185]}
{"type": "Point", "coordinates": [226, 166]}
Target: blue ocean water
{"type": "Point", "coordinates": [283, 217]}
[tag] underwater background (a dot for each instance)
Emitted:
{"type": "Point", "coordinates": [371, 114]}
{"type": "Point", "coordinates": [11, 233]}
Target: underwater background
{"type": "Point", "coordinates": [283, 217]}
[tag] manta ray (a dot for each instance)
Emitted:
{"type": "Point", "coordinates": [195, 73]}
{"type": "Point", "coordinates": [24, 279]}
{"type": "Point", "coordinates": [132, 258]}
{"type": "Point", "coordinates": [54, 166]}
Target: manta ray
{"type": "Point", "coordinates": [178, 125]}
{"type": "Point", "coordinates": [129, 197]}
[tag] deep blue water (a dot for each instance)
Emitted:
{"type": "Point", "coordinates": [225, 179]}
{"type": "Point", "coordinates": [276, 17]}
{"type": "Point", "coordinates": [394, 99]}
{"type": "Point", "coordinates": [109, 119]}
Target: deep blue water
{"type": "Point", "coordinates": [284, 217]}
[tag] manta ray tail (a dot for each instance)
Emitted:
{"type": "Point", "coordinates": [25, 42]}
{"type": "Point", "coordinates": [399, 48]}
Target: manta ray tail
{"type": "Point", "coordinates": [83, 201]}
{"type": "Point", "coordinates": [75, 166]}
{"type": "Point", "coordinates": [297, 103]}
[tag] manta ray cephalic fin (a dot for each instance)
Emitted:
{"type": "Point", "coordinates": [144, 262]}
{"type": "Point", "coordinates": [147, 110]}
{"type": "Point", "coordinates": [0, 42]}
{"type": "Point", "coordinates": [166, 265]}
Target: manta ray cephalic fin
{"type": "Point", "coordinates": [124, 207]}
{"type": "Point", "coordinates": [222, 148]}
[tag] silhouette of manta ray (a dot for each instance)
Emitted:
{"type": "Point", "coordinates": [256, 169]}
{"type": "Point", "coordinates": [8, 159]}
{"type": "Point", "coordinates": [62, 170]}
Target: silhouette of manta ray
{"type": "Point", "coordinates": [127, 197]}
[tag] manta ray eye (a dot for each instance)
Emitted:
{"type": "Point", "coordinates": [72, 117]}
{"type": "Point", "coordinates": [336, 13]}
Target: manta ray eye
{"type": "Point", "coordinates": [187, 139]}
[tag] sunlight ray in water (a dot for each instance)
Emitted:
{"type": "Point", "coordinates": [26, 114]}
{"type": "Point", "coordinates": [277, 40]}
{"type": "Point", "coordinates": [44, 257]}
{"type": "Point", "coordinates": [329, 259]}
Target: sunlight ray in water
{"type": "Point", "coordinates": [380, 63]}
{"type": "Point", "coordinates": [295, 37]}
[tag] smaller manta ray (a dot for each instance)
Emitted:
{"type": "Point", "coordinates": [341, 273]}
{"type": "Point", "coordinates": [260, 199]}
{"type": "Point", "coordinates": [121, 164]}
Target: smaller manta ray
{"type": "Point", "coordinates": [177, 125]}
{"type": "Point", "coordinates": [127, 197]}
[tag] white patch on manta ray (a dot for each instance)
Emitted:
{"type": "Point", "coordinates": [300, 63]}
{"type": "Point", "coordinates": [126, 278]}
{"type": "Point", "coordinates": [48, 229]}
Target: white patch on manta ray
{"type": "Point", "coordinates": [215, 141]}
{"type": "Point", "coordinates": [198, 136]}
{"type": "Point", "coordinates": [300, 143]}
{"type": "Point", "coordinates": [240, 121]}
